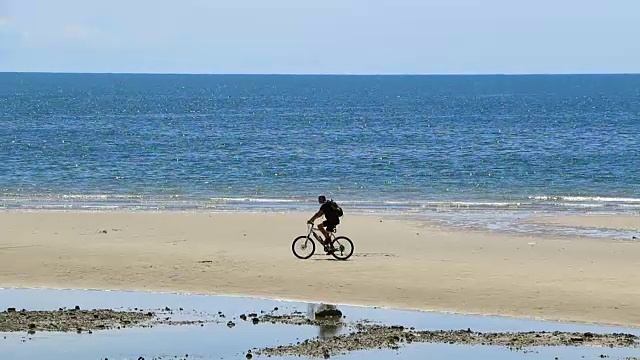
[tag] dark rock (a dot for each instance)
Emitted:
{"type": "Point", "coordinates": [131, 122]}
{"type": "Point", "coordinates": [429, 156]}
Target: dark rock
{"type": "Point", "coordinates": [103, 231]}
{"type": "Point", "coordinates": [11, 310]}
{"type": "Point", "coordinates": [249, 356]}
{"type": "Point", "coordinates": [32, 326]}
{"type": "Point", "coordinates": [231, 324]}
{"type": "Point", "coordinates": [253, 315]}
{"type": "Point", "coordinates": [255, 320]}
{"type": "Point", "coordinates": [275, 308]}
{"type": "Point", "coordinates": [243, 317]}
{"type": "Point", "coordinates": [31, 332]}
{"type": "Point", "coordinates": [77, 307]}
{"type": "Point", "coordinates": [328, 313]}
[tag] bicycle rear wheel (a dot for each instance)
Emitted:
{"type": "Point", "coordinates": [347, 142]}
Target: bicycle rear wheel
{"type": "Point", "coordinates": [343, 248]}
{"type": "Point", "coordinates": [303, 247]}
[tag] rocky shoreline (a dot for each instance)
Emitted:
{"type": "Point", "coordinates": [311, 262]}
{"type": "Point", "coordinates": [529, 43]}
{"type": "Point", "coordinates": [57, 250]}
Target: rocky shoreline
{"type": "Point", "coordinates": [365, 336]}
{"type": "Point", "coordinates": [337, 336]}
{"type": "Point", "coordinates": [12, 320]}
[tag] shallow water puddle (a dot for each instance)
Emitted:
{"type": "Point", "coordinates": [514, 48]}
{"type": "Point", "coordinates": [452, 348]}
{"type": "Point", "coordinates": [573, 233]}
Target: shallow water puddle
{"type": "Point", "coordinates": [211, 327]}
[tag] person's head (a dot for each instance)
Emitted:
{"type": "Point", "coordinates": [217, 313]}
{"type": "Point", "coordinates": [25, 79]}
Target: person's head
{"type": "Point", "coordinates": [322, 199]}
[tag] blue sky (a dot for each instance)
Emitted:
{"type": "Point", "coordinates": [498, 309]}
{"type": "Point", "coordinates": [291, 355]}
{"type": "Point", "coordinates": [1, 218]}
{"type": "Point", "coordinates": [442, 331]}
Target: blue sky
{"type": "Point", "coordinates": [328, 36]}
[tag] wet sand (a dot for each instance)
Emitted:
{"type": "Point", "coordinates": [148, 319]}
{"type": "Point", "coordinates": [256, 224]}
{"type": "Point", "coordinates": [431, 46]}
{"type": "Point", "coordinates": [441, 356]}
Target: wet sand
{"type": "Point", "coordinates": [618, 222]}
{"type": "Point", "coordinates": [397, 263]}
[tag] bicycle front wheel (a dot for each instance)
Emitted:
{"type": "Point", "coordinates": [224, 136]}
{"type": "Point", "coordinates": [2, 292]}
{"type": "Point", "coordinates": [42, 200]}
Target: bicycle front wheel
{"type": "Point", "coordinates": [303, 247]}
{"type": "Point", "coordinates": [343, 248]}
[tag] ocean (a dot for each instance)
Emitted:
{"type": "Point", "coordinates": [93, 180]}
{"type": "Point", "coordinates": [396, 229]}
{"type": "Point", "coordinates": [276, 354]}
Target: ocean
{"type": "Point", "coordinates": [401, 144]}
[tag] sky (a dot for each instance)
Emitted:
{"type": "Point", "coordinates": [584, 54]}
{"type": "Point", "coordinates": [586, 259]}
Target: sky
{"type": "Point", "coordinates": [320, 37]}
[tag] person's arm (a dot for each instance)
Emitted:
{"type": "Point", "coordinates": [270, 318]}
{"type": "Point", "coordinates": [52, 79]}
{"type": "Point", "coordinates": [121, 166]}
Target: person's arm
{"type": "Point", "coordinates": [314, 217]}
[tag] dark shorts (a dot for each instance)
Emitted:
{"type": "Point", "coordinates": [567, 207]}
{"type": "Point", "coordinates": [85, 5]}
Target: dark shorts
{"type": "Point", "coordinates": [331, 224]}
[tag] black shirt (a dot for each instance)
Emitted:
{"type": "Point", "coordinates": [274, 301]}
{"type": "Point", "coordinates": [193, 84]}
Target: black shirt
{"type": "Point", "coordinates": [328, 212]}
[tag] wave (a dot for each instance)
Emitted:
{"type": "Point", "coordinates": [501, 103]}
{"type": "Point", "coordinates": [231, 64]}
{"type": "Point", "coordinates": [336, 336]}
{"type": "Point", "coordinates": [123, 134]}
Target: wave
{"type": "Point", "coordinates": [586, 199]}
{"type": "Point", "coordinates": [254, 200]}
{"type": "Point", "coordinates": [195, 202]}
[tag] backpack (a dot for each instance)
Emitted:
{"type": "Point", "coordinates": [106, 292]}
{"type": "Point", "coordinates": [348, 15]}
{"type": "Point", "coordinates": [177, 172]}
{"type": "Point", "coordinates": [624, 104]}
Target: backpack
{"type": "Point", "coordinates": [337, 210]}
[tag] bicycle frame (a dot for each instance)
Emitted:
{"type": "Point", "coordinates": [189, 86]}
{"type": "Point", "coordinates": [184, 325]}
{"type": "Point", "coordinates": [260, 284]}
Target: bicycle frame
{"type": "Point", "coordinates": [312, 230]}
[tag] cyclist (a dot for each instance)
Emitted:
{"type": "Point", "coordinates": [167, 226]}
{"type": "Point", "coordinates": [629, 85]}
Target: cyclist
{"type": "Point", "coordinates": [331, 218]}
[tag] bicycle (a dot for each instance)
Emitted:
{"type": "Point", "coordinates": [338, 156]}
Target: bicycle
{"type": "Point", "coordinates": [342, 251]}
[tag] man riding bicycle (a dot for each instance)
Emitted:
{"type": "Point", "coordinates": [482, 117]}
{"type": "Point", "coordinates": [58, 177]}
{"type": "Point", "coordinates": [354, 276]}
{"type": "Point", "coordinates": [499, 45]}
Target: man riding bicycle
{"type": "Point", "coordinates": [332, 218]}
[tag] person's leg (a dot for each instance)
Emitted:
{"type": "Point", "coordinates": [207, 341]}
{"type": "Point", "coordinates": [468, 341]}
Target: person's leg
{"type": "Point", "coordinates": [331, 227]}
{"type": "Point", "coordinates": [324, 232]}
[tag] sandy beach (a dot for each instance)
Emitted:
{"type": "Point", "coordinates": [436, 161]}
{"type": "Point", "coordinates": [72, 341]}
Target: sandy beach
{"type": "Point", "coordinates": [398, 263]}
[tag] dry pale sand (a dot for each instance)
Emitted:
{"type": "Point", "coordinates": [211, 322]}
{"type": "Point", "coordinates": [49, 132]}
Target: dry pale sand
{"type": "Point", "coordinates": [398, 263]}
{"type": "Point", "coordinates": [619, 222]}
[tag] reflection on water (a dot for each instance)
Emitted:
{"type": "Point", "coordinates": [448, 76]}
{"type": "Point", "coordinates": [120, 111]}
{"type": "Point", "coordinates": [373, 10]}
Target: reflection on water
{"type": "Point", "coordinates": [213, 341]}
{"type": "Point", "coordinates": [325, 330]}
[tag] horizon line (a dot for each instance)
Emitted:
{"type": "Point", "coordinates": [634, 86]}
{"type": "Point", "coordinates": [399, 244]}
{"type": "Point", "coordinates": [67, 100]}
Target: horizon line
{"type": "Point", "coordinates": [314, 74]}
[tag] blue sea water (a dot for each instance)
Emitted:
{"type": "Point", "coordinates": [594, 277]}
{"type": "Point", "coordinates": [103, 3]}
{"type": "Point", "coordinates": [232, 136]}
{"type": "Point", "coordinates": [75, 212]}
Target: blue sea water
{"type": "Point", "coordinates": [409, 143]}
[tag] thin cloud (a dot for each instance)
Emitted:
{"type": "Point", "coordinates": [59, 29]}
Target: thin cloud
{"type": "Point", "coordinates": [5, 20]}
{"type": "Point", "coordinates": [78, 32]}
